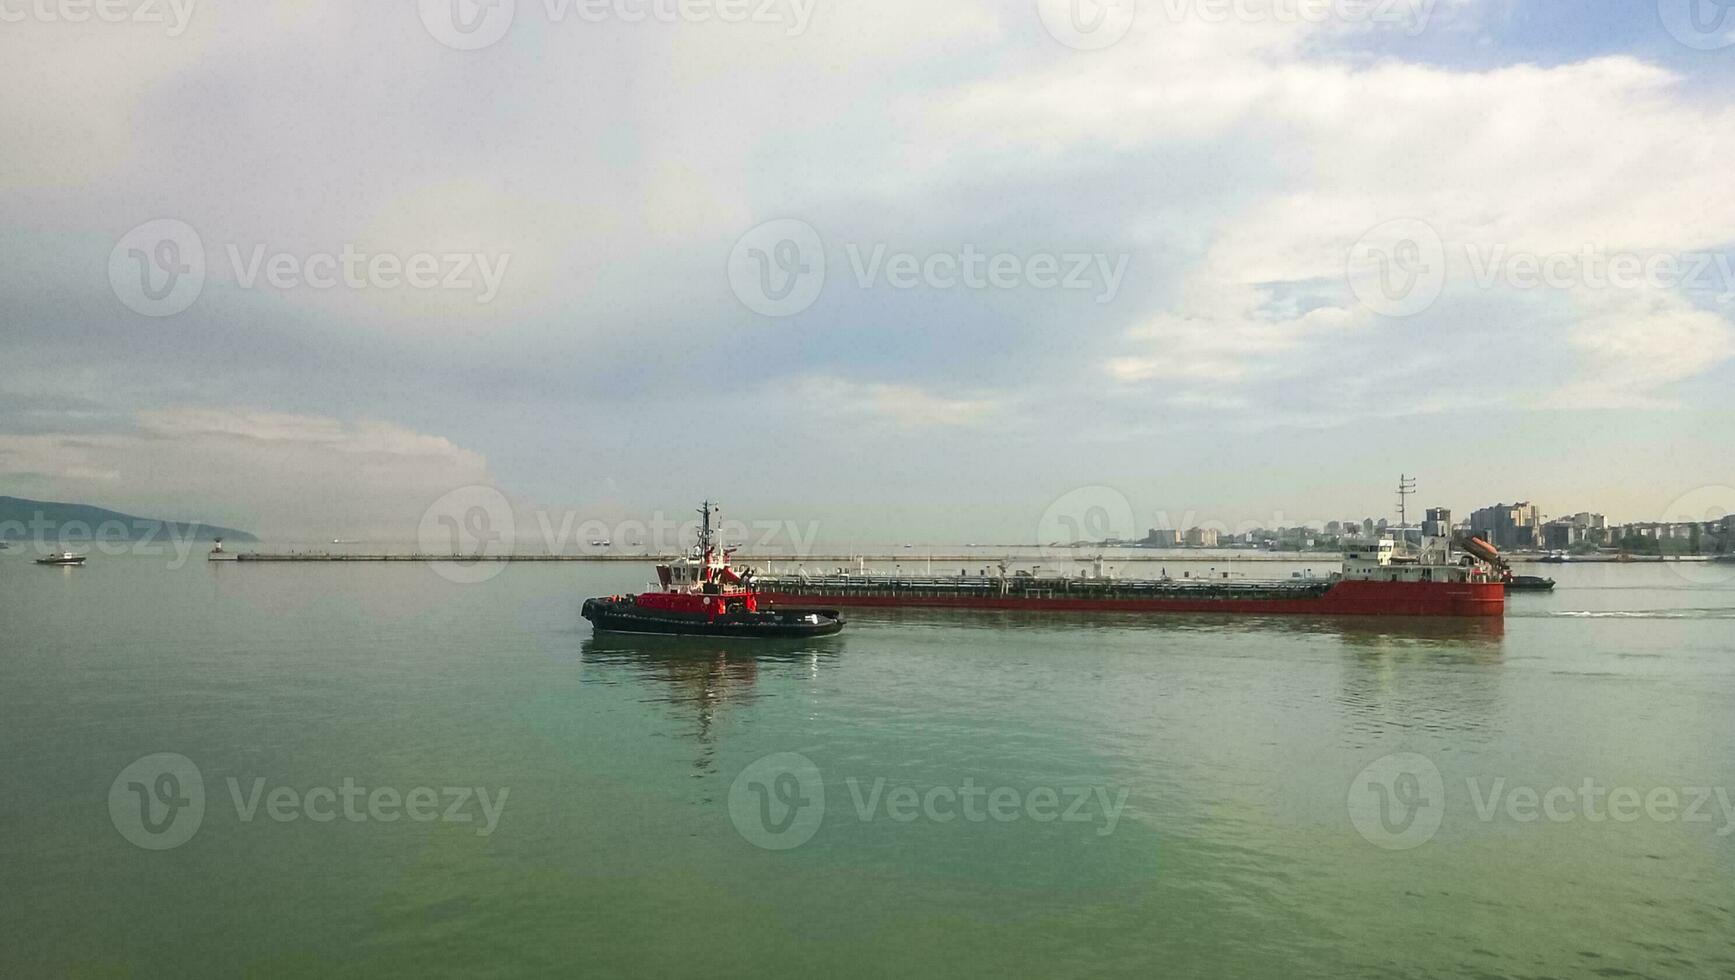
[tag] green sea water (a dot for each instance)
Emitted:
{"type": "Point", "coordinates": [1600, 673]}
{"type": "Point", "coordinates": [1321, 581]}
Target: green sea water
{"type": "Point", "coordinates": [265, 770]}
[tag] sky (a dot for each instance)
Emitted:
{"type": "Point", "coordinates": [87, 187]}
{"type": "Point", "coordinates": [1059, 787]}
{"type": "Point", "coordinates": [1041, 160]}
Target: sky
{"type": "Point", "coordinates": [896, 271]}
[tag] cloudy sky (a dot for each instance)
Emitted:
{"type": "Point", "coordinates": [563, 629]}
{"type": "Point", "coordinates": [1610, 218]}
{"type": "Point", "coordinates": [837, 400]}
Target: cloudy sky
{"type": "Point", "coordinates": [912, 270]}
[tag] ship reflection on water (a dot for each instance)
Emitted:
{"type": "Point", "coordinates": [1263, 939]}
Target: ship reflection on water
{"type": "Point", "coordinates": [704, 676]}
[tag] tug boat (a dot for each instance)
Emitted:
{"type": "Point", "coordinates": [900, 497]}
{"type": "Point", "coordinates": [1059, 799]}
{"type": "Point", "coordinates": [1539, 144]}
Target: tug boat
{"type": "Point", "coordinates": [702, 595]}
{"type": "Point", "coordinates": [64, 558]}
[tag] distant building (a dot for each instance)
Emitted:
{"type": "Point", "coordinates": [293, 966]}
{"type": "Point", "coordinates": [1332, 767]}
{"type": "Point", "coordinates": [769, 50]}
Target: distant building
{"type": "Point", "coordinates": [1202, 537]}
{"type": "Point", "coordinates": [1563, 535]}
{"type": "Point", "coordinates": [1438, 523]}
{"type": "Point", "coordinates": [1162, 538]}
{"type": "Point", "coordinates": [1514, 526]}
{"type": "Point", "coordinates": [1367, 527]}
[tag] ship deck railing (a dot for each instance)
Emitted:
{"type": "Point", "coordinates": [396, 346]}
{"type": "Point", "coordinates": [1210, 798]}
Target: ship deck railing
{"type": "Point", "coordinates": [1030, 587]}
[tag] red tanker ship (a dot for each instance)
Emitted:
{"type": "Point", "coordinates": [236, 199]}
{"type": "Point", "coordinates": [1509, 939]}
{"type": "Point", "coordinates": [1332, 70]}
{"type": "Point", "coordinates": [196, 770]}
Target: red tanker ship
{"type": "Point", "coordinates": [1406, 574]}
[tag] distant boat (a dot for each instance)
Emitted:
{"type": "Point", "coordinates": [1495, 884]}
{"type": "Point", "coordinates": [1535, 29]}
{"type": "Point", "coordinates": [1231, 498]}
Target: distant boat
{"type": "Point", "coordinates": [64, 558]}
{"type": "Point", "coordinates": [1529, 583]}
{"type": "Point", "coordinates": [1554, 558]}
{"type": "Point", "coordinates": [601, 543]}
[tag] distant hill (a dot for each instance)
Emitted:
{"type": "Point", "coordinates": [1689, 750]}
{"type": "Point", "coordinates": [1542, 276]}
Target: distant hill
{"type": "Point", "coordinates": [22, 519]}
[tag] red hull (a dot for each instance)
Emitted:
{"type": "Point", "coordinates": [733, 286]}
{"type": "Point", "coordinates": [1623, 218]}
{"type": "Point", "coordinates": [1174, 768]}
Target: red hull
{"type": "Point", "coordinates": [1351, 598]}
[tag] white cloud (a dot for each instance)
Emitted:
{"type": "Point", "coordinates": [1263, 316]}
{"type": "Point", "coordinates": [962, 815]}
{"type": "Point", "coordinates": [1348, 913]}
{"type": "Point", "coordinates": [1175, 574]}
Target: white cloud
{"type": "Point", "coordinates": [903, 406]}
{"type": "Point", "coordinates": [265, 470]}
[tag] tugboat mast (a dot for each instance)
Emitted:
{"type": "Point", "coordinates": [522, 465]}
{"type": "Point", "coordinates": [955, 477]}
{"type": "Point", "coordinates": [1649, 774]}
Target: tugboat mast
{"type": "Point", "coordinates": [705, 513]}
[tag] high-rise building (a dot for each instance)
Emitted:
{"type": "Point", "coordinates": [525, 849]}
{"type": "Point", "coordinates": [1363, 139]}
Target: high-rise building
{"type": "Point", "coordinates": [1509, 525]}
{"type": "Point", "coordinates": [1202, 537]}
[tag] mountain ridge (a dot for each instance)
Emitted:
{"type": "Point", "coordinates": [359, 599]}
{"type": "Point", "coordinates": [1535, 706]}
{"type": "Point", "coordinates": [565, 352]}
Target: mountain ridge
{"type": "Point", "coordinates": [22, 518]}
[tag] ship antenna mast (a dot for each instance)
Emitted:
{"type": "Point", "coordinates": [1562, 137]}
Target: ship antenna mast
{"type": "Point", "coordinates": [1406, 487]}
{"type": "Point", "coordinates": [705, 513]}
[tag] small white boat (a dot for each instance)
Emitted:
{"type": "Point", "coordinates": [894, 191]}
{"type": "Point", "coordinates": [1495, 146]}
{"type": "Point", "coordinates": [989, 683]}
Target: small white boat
{"type": "Point", "coordinates": [64, 558]}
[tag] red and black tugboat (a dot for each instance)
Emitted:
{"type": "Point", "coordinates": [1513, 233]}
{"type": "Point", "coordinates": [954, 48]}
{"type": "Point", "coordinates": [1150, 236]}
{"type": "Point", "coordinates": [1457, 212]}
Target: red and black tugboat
{"type": "Point", "coordinates": [702, 595]}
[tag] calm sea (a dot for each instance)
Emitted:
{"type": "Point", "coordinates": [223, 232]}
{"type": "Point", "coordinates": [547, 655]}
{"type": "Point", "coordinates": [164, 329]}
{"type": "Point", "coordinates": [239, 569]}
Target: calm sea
{"type": "Point", "coordinates": [369, 770]}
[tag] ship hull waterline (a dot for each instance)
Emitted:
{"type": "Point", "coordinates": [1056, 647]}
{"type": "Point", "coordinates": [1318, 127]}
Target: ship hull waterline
{"type": "Point", "coordinates": [1349, 598]}
{"type": "Point", "coordinates": [785, 624]}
